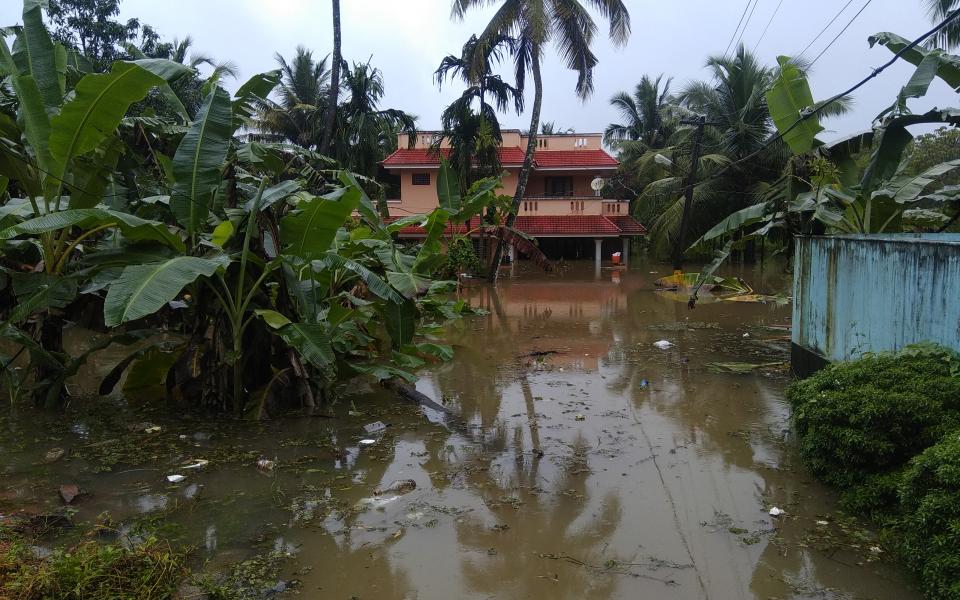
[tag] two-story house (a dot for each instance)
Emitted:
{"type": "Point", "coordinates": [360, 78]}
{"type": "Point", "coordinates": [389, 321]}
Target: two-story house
{"type": "Point", "coordinates": [562, 208]}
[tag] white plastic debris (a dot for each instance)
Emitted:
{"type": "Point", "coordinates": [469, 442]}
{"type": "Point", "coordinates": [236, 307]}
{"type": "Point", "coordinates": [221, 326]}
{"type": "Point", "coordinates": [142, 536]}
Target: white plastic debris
{"type": "Point", "coordinates": [153, 429]}
{"type": "Point", "coordinates": [746, 335]}
{"type": "Point", "coordinates": [822, 523]}
{"type": "Point", "coordinates": [201, 463]}
{"type": "Point", "coordinates": [367, 442]}
{"type": "Point", "coordinates": [175, 478]}
{"type": "Point", "coordinates": [663, 344]}
{"type": "Point", "coordinates": [776, 512]}
{"type": "Point", "coordinates": [265, 465]}
{"type": "Point", "coordinates": [375, 427]}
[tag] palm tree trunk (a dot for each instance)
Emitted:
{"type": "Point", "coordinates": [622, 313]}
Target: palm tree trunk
{"type": "Point", "coordinates": [334, 95]}
{"type": "Point", "coordinates": [527, 159]}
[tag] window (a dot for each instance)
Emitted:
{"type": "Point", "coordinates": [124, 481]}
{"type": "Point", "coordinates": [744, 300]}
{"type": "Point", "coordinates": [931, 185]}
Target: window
{"type": "Point", "coordinates": [421, 179]}
{"type": "Point", "coordinates": [558, 186]}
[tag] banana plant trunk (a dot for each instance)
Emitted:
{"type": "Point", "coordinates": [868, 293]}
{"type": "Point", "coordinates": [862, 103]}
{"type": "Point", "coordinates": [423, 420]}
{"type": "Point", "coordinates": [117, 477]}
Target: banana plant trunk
{"type": "Point", "coordinates": [527, 160]}
{"type": "Point", "coordinates": [334, 95]}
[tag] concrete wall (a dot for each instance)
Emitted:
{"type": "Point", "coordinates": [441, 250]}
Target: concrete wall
{"type": "Point", "coordinates": [417, 199]}
{"type": "Point", "coordinates": [857, 294]}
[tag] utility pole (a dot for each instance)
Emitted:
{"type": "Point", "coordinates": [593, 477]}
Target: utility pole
{"type": "Point", "coordinates": [700, 122]}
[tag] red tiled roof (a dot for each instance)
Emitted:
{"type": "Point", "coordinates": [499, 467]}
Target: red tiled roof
{"type": "Point", "coordinates": [566, 225]}
{"type": "Point", "coordinates": [629, 225]}
{"type": "Point", "coordinates": [408, 157]}
{"type": "Point", "coordinates": [548, 159]}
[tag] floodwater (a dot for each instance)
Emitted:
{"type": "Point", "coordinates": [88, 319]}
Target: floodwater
{"type": "Point", "coordinates": [577, 460]}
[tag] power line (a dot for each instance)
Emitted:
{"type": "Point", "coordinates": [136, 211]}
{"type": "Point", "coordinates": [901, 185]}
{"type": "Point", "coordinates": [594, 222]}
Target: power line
{"type": "Point", "coordinates": [820, 107]}
{"type": "Point", "coordinates": [842, 31]}
{"type": "Point", "coordinates": [742, 15]}
{"type": "Point", "coordinates": [825, 28]}
{"type": "Point", "coordinates": [745, 25]}
{"type": "Point", "coordinates": [772, 17]}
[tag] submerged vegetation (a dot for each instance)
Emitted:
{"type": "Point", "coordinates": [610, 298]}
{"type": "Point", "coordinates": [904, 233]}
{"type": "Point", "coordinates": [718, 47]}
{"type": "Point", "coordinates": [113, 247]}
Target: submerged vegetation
{"type": "Point", "coordinates": [885, 430]}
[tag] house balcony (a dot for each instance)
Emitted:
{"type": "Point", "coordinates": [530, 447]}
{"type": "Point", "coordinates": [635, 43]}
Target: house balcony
{"type": "Point", "coordinates": [572, 205]}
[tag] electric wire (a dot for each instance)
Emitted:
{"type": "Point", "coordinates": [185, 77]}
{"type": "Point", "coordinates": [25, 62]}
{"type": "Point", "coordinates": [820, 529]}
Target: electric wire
{"type": "Point", "coordinates": [772, 17]}
{"type": "Point", "coordinates": [825, 28]}
{"type": "Point", "coordinates": [842, 31]}
{"type": "Point", "coordinates": [821, 106]}
{"type": "Point", "coordinates": [732, 37]}
{"type": "Point", "coordinates": [745, 25]}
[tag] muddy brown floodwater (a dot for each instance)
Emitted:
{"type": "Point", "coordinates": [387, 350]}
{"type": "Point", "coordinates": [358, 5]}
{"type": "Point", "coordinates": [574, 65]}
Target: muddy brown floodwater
{"type": "Point", "coordinates": [581, 461]}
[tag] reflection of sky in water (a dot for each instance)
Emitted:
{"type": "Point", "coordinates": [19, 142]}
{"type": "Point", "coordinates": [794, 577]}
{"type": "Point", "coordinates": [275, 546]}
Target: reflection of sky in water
{"type": "Point", "coordinates": [152, 502]}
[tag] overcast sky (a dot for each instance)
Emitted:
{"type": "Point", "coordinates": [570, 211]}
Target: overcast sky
{"type": "Point", "coordinates": [407, 39]}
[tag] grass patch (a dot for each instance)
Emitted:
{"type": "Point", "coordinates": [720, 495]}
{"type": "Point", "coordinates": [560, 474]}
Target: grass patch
{"type": "Point", "coordinates": [885, 430]}
{"type": "Point", "coordinates": [151, 570]}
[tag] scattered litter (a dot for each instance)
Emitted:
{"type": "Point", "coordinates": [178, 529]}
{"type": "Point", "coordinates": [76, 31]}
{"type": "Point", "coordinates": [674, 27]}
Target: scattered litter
{"type": "Point", "coordinates": [375, 427]}
{"type": "Point", "coordinates": [580, 417]}
{"type": "Point", "coordinates": [663, 344]}
{"type": "Point", "coordinates": [53, 455]}
{"type": "Point", "coordinates": [201, 463]}
{"type": "Point", "coordinates": [367, 442]}
{"type": "Point", "coordinates": [644, 384]}
{"type": "Point", "coordinates": [175, 478]}
{"type": "Point", "coordinates": [375, 502]}
{"type": "Point", "coordinates": [876, 549]}
{"type": "Point", "coordinates": [397, 534]}
{"type": "Point", "coordinates": [399, 487]}
{"type": "Point", "coordinates": [70, 492]}
{"type": "Point", "coordinates": [746, 335]}
{"type": "Point", "coordinates": [742, 368]}
{"type": "Point", "coordinates": [153, 429]}
{"type": "Point", "coordinates": [823, 522]}
{"type": "Point", "coordinates": [265, 465]}
{"type": "Point", "coordinates": [776, 512]}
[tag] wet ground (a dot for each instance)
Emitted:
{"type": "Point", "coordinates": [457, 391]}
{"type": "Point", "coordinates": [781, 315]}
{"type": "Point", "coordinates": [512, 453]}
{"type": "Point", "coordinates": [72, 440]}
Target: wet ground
{"type": "Point", "coordinates": [582, 462]}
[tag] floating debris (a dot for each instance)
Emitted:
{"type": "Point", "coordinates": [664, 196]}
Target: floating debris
{"type": "Point", "coordinates": [152, 429]}
{"type": "Point", "coordinates": [70, 492]}
{"type": "Point", "coordinates": [175, 478]}
{"type": "Point", "coordinates": [777, 512]}
{"type": "Point", "coordinates": [743, 368]}
{"type": "Point", "coordinates": [399, 487]}
{"type": "Point", "coordinates": [265, 465]}
{"type": "Point", "coordinates": [663, 344]}
{"type": "Point", "coordinates": [375, 427]}
{"type": "Point", "coordinates": [53, 455]}
{"type": "Point", "coordinates": [201, 463]}
{"type": "Point", "coordinates": [580, 417]}
{"type": "Point", "coordinates": [367, 442]}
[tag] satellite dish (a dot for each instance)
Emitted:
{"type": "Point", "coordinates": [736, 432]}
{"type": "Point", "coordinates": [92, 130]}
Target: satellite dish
{"type": "Point", "coordinates": [597, 184]}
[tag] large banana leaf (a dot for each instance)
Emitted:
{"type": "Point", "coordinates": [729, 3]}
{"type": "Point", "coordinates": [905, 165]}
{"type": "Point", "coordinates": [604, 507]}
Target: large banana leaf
{"type": "Point", "coordinates": [94, 173]}
{"type": "Point", "coordinates": [401, 322]}
{"type": "Point", "coordinates": [308, 231]}
{"type": "Point", "coordinates": [37, 56]}
{"type": "Point", "coordinates": [133, 228]}
{"type": "Point", "coordinates": [40, 291]}
{"type": "Point", "coordinates": [257, 87]}
{"type": "Point", "coordinates": [448, 187]}
{"type": "Point", "coordinates": [311, 340]}
{"type": "Point", "coordinates": [165, 90]}
{"type": "Point", "coordinates": [948, 65]}
{"type": "Point", "coordinates": [374, 282]}
{"type": "Point", "coordinates": [100, 102]}
{"type": "Point", "coordinates": [788, 97]}
{"type": "Point", "coordinates": [735, 222]}
{"type": "Point", "coordinates": [199, 160]}
{"type": "Point", "coordinates": [274, 194]}
{"type": "Point", "coordinates": [409, 284]}
{"type": "Point", "coordinates": [366, 208]}
{"type": "Point", "coordinates": [142, 290]}
{"type": "Point", "coordinates": [906, 188]}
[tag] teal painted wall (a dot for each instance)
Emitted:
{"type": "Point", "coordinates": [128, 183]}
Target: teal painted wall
{"type": "Point", "coordinates": [875, 293]}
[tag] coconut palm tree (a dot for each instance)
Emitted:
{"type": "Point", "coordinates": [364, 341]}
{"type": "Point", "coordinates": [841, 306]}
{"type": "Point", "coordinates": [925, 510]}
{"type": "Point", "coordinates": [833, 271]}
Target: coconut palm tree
{"type": "Point", "coordinates": [334, 94]}
{"type": "Point", "coordinates": [365, 134]}
{"type": "Point", "coordinates": [949, 36]}
{"type": "Point", "coordinates": [534, 23]}
{"type": "Point", "coordinates": [474, 134]}
{"type": "Point", "coordinates": [297, 115]}
{"type": "Point", "coordinates": [649, 115]}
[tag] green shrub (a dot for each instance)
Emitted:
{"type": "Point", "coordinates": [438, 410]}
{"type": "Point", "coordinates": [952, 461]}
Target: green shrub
{"type": "Point", "coordinates": [861, 422]}
{"type": "Point", "coordinates": [461, 258]}
{"type": "Point", "coordinates": [928, 531]}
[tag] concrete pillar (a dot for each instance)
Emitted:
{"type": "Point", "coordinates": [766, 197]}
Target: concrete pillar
{"type": "Point", "coordinates": [626, 252]}
{"type": "Point", "coordinates": [598, 243]}
{"type": "Point", "coordinates": [512, 252]}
